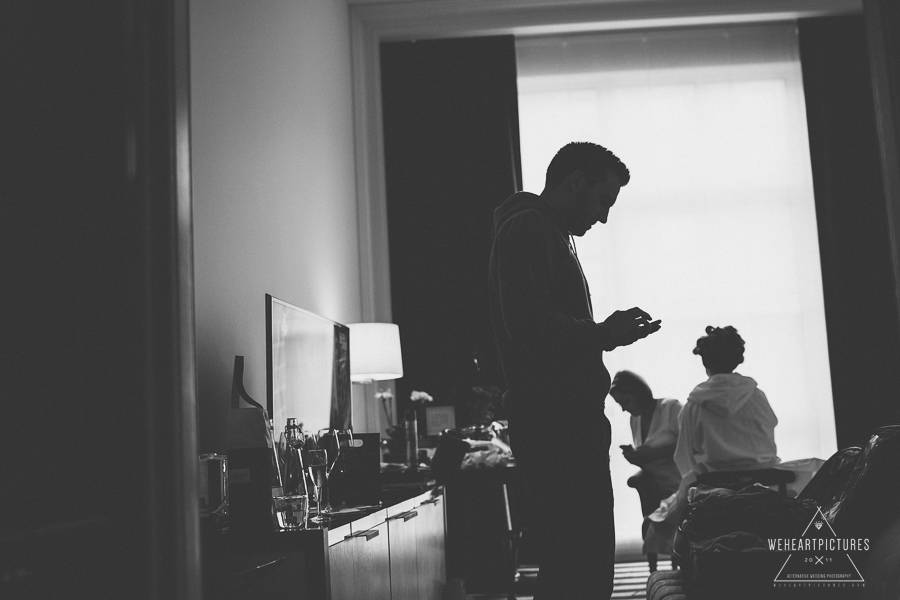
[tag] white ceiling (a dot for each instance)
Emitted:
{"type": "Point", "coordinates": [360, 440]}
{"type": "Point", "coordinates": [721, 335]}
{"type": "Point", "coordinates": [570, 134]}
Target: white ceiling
{"type": "Point", "coordinates": [397, 19]}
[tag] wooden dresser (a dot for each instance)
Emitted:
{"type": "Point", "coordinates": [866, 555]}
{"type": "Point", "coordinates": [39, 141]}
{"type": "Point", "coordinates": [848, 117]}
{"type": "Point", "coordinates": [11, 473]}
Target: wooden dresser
{"type": "Point", "coordinates": [393, 552]}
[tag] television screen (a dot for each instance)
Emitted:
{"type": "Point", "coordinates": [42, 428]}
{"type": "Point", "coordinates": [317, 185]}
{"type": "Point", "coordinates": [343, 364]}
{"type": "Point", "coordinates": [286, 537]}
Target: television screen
{"type": "Point", "coordinates": [307, 367]}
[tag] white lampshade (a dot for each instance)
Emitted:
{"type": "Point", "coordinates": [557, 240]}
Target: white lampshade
{"type": "Point", "coordinates": [375, 352]}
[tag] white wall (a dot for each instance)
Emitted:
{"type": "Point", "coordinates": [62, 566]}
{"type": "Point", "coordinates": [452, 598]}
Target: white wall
{"type": "Point", "coordinates": [273, 181]}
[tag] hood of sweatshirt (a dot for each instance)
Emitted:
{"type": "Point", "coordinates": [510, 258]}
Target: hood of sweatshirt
{"type": "Point", "coordinates": [724, 394]}
{"type": "Point", "coordinates": [522, 201]}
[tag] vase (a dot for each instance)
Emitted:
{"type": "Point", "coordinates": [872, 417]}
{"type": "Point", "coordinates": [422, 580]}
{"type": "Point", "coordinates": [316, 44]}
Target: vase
{"type": "Point", "coordinates": [411, 428]}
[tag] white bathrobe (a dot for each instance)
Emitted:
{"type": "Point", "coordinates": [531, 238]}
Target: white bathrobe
{"type": "Point", "coordinates": [726, 425]}
{"type": "Point", "coordinates": [663, 431]}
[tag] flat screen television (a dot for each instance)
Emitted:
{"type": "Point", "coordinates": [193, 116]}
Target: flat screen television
{"type": "Point", "coordinates": [307, 367]}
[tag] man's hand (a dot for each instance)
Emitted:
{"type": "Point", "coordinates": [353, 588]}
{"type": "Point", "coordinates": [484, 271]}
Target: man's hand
{"type": "Point", "coordinates": [636, 456]}
{"type": "Point", "coordinates": [628, 326]}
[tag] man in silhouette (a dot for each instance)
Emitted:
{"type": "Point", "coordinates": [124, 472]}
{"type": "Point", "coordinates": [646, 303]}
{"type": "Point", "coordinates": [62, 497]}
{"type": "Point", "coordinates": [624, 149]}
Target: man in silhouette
{"type": "Point", "coordinates": [552, 354]}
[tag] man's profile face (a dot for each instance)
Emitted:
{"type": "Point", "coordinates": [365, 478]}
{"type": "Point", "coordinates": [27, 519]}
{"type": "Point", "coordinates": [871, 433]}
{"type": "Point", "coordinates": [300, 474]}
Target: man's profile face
{"type": "Point", "coordinates": [592, 204]}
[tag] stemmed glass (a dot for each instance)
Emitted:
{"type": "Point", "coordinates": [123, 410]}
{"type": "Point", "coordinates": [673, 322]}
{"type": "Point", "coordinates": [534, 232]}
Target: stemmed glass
{"type": "Point", "coordinates": [332, 440]}
{"type": "Point", "coordinates": [317, 466]}
{"type": "Point", "coordinates": [345, 440]}
{"type": "Point", "coordinates": [326, 439]}
{"type": "Point", "coordinates": [345, 437]}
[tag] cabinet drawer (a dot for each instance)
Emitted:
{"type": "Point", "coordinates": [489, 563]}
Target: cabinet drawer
{"type": "Point", "coordinates": [360, 565]}
{"type": "Point", "coordinates": [430, 540]}
{"type": "Point", "coordinates": [369, 521]}
{"type": "Point", "coordinates": [402, 538]}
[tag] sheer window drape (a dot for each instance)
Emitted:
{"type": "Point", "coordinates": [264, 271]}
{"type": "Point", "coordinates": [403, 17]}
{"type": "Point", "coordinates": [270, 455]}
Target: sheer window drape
{"type": "Point", "coordinates": [718, 224]}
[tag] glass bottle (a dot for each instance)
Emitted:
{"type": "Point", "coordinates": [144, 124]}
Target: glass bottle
{"type": "Point", "coordinates": [275, 470]}
{"type": "Point", "coordinates": [412, 439]}
{"type": "Point", "coordinates": [294, 473]}
{"type": "Point", "coordinates": [292, 508]}
{"type": "Point", "coordinates": [290, 438]}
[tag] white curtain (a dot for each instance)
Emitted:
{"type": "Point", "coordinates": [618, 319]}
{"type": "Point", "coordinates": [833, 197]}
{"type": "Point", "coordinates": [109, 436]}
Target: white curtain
{"type": "Point", "coordinates": [717, 226]}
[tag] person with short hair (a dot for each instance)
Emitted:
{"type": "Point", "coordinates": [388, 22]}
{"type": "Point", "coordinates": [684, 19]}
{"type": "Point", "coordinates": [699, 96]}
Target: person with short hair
{"type": "Point", "coordinates": [551, 349]}
{"type": "Point", "coordinates": [654, 431]}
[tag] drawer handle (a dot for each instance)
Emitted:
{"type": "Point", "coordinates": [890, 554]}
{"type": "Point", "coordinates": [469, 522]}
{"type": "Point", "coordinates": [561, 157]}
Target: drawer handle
{"type": "Point", "coordinates": [432, 501]}
{"type": "Point", "coordinates": [259, 571]}
{"type": "Point", "coordinates": [406, 516]}
{"type": "Point", "coordinates": [368, 534]}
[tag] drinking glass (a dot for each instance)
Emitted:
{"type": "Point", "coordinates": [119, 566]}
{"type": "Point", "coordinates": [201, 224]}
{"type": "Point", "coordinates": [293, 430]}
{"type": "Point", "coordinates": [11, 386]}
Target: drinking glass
{"type": "Point", "coordinates": [317, 466]}
{"type": "Point", "coordinates": [345, 438]}
{"type": "Point", "coordinates": [327, 440]}
{"type": "Point", "coordinates": [345, 441]}
{"type": "Point", "coordinates": [291, 511]}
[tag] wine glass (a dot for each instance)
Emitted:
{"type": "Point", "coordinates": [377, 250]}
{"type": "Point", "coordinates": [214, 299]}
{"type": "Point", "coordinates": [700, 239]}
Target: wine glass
{"type": "Point", "coordinates": [345, 441]}
{"type": "Point", "coordinates": [327, 440]}
{"type": "Point", "coordinates": [317, 466]}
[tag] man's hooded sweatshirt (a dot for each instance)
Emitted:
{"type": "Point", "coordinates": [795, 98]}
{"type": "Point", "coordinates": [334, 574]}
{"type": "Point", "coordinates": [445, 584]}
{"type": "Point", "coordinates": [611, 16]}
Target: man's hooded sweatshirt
{"type": "Point", "coordinates": [549, 344]}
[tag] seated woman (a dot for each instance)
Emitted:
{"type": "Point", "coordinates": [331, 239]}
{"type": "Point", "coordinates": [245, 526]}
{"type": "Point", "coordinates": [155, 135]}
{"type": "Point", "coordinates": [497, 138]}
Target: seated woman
{"type": "Point", "coordinates": [654, 429]}
{"type": "Point", "coordinates": [726, 425]}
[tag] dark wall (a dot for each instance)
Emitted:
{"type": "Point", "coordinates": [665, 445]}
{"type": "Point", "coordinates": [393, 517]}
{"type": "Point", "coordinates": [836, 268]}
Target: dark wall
{"type": "Point", "coordinates": [854, 238]}
{"type": "Point", "coordinates": [452, 156]}
{"type": "Point", "coordinates": [93, 501]}
{"type": "Point", "coordinates": [883, 32]}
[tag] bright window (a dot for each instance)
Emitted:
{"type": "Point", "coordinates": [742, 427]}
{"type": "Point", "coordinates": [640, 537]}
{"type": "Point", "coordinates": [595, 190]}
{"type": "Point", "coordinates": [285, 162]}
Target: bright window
{"type": "Point", "coordinates": [718, 224]}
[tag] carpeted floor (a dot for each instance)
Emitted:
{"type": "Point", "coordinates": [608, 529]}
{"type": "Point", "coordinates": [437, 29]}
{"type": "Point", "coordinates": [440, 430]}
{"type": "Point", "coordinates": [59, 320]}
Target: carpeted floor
{"type": "Point", "coordinates": [631, 582]}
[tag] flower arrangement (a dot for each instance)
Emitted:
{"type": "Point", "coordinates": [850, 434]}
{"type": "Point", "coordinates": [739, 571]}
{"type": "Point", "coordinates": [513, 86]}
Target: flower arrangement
{"type": "Point", "coordinates": [385, 397]}
{"type": "Point", "coordinates": [418, 397]}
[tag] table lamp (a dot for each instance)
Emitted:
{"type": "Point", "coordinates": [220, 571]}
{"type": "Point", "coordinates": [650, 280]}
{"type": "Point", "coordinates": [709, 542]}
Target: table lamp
{"type": "Point", "coordinates": [375, 352]}
{"type": "Point", "coordinates": [375, 355]}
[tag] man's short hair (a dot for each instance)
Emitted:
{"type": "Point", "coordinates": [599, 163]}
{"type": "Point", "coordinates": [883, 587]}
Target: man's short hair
{"type": "Point", "coordinates": [593, 160]}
